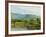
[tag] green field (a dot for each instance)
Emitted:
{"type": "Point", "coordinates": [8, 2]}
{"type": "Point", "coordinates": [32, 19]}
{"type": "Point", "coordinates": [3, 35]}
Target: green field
{"type": "Point", "coordinates": [31, 24]}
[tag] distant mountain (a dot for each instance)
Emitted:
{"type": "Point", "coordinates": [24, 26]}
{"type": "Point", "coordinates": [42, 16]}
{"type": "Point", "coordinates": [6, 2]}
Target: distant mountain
{"type": "Point", "coordinates": [23, 16]}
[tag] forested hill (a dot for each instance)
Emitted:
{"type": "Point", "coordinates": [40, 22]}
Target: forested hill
{"type": "Point", "coordinates": [23, 16]}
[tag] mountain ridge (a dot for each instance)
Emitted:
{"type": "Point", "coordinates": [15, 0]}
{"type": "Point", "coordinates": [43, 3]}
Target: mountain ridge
{"type": "Point", "coordinates": [23, 16]}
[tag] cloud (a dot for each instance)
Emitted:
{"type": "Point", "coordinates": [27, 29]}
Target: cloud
{"type": "Point", "coordinates": [35, 10]}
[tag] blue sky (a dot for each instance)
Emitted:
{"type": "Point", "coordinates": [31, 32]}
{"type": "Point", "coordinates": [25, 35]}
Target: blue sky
{"type": "Point", "coordinates": [34, 10]}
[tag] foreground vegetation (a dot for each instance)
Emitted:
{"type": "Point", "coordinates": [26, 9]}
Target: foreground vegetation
{"type": "Point", "coordinates": [31, 24]}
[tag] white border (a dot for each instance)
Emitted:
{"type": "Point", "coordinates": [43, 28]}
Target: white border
{"type": "Point", "coordinates": [29, 31]}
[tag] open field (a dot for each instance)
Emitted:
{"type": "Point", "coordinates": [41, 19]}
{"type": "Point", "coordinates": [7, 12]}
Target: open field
{"type": "Point", "coordinates": [28, 24]}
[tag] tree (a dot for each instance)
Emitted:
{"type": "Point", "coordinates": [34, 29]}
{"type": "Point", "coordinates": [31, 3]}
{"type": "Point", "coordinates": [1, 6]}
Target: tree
{"type": "Point", "coordinates": [12, 22]}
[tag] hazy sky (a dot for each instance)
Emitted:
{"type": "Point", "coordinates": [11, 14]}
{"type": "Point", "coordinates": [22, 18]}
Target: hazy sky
{"type": "Point", "coordinates": [34, 10]}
